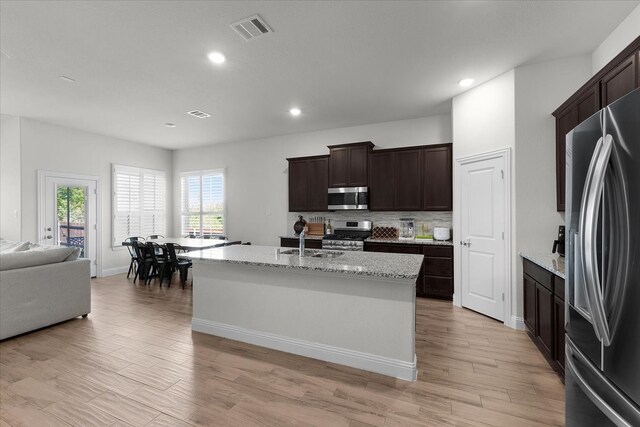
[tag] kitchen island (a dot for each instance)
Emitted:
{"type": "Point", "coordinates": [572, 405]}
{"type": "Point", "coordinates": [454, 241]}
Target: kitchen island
{"type": "Point", "coordinates": [351, 308]}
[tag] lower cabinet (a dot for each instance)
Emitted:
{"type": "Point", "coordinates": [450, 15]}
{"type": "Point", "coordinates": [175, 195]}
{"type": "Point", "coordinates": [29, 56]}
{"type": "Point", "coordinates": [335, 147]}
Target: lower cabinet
{"type": "Point", "coordinates": [436, 277]}
{"type": "Point", "coordinates": [294, 243]}
{"type": "Point", "coordinates": [544, 312]}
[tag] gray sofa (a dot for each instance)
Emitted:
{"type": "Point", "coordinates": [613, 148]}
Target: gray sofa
{"type": "Point", "coordinates": [41, 286]}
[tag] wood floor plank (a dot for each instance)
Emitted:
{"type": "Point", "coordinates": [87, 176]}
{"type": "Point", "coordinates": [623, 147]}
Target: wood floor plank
{"type": "Point", "coordinates": [135, 361]}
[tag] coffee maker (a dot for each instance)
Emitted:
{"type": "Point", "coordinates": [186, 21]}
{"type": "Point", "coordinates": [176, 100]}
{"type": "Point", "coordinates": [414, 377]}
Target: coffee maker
{"type": "Point", "coordinates": [558, 245]}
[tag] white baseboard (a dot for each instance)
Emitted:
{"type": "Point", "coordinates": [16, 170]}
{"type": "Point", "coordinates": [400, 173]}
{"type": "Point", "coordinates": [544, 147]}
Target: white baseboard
{"type": "Point", "coordinates": [369, 362]}
{"type": "Point", "coordinates": [517, 322]}
{"type": "Point", "coordinates": [113, 271]}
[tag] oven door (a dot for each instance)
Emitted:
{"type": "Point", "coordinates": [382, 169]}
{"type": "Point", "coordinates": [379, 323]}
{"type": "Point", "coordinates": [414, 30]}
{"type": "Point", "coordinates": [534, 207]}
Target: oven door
{"type": "Point", "coordinates": [348, 198]}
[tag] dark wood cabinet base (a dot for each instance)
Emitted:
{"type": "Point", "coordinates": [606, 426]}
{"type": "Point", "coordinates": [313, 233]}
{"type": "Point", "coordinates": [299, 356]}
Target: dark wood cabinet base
{"type": "Point", "coordinates": [544, 313]}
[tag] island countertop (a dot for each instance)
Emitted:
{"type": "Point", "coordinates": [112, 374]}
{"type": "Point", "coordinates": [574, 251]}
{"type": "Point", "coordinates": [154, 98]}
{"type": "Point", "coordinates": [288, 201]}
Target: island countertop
{"type": "Point", "coordinates": [376, 264]}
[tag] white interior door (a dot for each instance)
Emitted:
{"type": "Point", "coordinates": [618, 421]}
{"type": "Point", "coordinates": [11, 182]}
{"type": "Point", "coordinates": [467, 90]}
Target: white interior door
{"type": "Point", "coordinates": [68, 215]}
{"type": "Point", "coordinates": [482, 212]}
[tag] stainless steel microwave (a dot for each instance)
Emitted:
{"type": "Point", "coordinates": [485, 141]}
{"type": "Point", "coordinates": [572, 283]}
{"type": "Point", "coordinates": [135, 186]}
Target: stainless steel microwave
{"type": "Point", "coordinates": [348, 198]}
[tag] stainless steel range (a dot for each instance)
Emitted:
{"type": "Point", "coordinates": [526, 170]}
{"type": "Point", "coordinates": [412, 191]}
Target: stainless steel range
{"type": "Point", "coordinates": [347, 236]}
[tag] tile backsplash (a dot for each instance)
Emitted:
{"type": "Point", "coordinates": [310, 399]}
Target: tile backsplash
{"type": "Point", "coordinates": [379, 219]}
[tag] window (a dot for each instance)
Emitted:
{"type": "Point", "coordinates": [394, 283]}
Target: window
{"type": "Point", "coordinates": [139, 203]}
{"type": "Point", "coordinates": [202, 203]}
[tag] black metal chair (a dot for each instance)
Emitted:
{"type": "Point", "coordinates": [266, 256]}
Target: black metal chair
{"type": "Point", "coordinates": [155, 236]}
{"type": "Point", "coordinates": [160, 262]}
{"type": "Point", "coordinates": [143, 260]}
{"type": "Point", "coordinates": [180, 264]}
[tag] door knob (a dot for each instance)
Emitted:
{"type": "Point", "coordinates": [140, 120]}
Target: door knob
{"type": "Point", "coordinates": [49, 236]}
{"type": "Point", "coordinates": [465, 242]}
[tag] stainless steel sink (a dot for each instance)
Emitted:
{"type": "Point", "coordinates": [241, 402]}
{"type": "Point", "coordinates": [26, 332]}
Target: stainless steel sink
{"type": "Point", "coordinates": [327, 254]}
{"type": "Point", "coordinates": [307, 252]}
{"type": "Point", "coordinates": [313, 254]}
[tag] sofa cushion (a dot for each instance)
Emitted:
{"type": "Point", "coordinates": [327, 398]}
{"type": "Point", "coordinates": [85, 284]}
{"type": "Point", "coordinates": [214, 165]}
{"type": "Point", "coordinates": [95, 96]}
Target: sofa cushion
{"type": "Point", "coordinates": [8, 246]}
{"type": "Point", "coordinates": [38, 256]}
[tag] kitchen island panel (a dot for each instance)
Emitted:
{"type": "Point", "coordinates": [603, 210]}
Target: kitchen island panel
{"type": "Point", "coordinates": [359, 321]}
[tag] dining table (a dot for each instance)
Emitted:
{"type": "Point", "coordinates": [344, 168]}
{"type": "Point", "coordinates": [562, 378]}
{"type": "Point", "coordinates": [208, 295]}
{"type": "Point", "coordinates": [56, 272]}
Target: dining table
{"type": "Point", "coordinates": [189, 244]}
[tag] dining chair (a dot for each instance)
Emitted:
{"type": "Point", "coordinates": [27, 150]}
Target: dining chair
{"type": "Point", "coordinates": [143, 260]}
{"type": "Point", "coordinates": [132, 252]}
{"type": "Point", "coordinates": [180, 264]}
{"type": "Point", "coordinates": [155, 236]}
{"type": "Point", "coordinates": [160, 262]}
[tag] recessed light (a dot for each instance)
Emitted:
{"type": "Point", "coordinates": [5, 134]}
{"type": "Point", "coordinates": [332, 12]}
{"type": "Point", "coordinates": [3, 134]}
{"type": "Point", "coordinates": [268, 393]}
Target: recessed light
{"type": "Point", "coordinates": [67, 79]}
{"type": "Point", "coordinates": [170, 125]}
{"type": "Point", "coordinates": [465, 82]}
{"type": "Point", "coordinates": [216, 58]}
{"type": "Point", "coordinates": [295, 112]}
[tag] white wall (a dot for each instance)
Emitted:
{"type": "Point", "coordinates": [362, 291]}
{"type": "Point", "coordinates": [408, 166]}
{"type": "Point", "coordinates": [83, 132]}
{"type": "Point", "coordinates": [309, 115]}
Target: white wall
{"type": "Point", "coordinates": [619, 38]}
{"type": "Point", "coordinates": [256, 171]}
{"type": "Point", "coordinates": [60, 149]}
{"type": "Point", "coordinates": [483, 121]}
{"type": "Point", "coordinates": [540, 89]}
{"type": "Point", "coordinates": [10, 177]}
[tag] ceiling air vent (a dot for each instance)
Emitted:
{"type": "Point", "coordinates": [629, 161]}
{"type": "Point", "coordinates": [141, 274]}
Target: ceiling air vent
{"type": "Point", "coordinates": [251, 27]}
{"type": "Point", "coordinates": [199, 114]}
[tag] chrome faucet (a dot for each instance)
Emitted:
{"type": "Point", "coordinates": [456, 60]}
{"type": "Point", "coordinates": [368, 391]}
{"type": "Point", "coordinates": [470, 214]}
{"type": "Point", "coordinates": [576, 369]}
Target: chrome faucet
{"type": "Point", "coordinates": [301, 248]}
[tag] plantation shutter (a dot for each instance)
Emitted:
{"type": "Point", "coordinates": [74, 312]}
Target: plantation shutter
{"type": "Point", "coordinates": [139, 203]}
{"type": "Point", "coordinates": [202, 203]}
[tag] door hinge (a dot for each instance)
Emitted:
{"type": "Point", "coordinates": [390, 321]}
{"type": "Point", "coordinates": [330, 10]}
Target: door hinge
{"type": "Point", "coordinates": [502, 173]}
{"type": "Point", "coordinates": [503, 235]}
{"type": "Point", "coordinates": [503, 296]}
{"type": "Point", "coordinates": [95, 227]}
{"type": "Point", "coordinates": [95, 191]}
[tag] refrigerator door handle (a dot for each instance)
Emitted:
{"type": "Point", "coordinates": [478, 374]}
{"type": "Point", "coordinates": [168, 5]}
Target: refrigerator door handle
{"type": "Point", "coordinates": [589, 212]}
{"type": "Point", "coordinates": [573, 355]}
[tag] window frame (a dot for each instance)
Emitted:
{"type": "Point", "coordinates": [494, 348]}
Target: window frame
{"type": "Point", "coordinates": [116, 169]}
{"type": "Point", "coordinates": [201, 212]}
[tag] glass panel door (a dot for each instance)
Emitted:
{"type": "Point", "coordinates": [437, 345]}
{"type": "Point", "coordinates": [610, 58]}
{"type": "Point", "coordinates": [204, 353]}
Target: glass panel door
{"type": "Point", "coordinates": [71, 217]}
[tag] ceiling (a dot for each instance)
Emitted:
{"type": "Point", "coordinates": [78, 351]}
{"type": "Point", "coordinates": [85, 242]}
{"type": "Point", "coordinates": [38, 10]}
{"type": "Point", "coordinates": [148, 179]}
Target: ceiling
{"type": "Point", "coordinates": [140, 64]}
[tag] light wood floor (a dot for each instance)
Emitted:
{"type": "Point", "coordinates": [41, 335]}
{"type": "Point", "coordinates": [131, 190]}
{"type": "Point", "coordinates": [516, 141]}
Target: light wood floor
{"type": "Point", "coordinates": [134, 361]}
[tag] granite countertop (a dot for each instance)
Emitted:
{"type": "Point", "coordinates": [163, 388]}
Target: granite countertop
{"type": "Point", "coordinates": [551, 262]}
{"type": "Point", "coordinates": [375, 264]}
{"type": "Point", "coordinates": [412, 241]}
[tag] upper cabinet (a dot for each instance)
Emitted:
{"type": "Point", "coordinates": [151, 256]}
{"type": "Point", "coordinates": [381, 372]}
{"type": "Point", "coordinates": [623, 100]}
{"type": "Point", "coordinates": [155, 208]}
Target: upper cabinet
{"type": "Point", "coordinates": [308, 183]}
{"type": "Point", "coordinates": [348, 164]}
{"type": "Point", "coordinates": [411, 179]}
{"type": "Point", "coordinates": [437, 181]}
{"type": "Point", "coordinates": [615, 80]}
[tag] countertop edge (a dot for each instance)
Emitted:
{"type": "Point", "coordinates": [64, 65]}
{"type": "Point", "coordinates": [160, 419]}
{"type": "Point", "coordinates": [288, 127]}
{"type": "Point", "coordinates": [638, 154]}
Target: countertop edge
{"type": "Point", "coordinates": [546, 261]}
{"type": "Point", "coordinates": [309, 268]}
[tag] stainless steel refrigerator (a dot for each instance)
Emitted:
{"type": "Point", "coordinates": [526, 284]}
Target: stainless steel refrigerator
{"type": "Point", "coordinates": [602, 308]}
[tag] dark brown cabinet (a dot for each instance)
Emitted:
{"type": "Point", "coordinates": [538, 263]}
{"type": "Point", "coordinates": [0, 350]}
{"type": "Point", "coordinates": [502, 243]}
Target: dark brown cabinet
{"type": "Point", "coordinates": [544, 312]}
{"type": "Point", "coordinates": [381, 181]}
{"type": "Point", "coordinates": [411, 179]}
{"type": "Point", "coordinates": [348, 164]}
{"type": "Point", "coordinates": [544, 320]}
{"type": "Point", "coordinates": [616, 79]}
{"type": "Point", "coordinates": [437, 279]}
{"type": "Point", "coordinates": [619, 81]}
{"type": "Point", "coordinates": [437, 180]}
{"type": "Point", "coordinates": [286, 242]}
{"type": "Point", "coordinates": [436, 276]}
{"type": "Point", "coordinates": [308, 183]}
{"type": "Point", "coordinates": [407, 167]}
